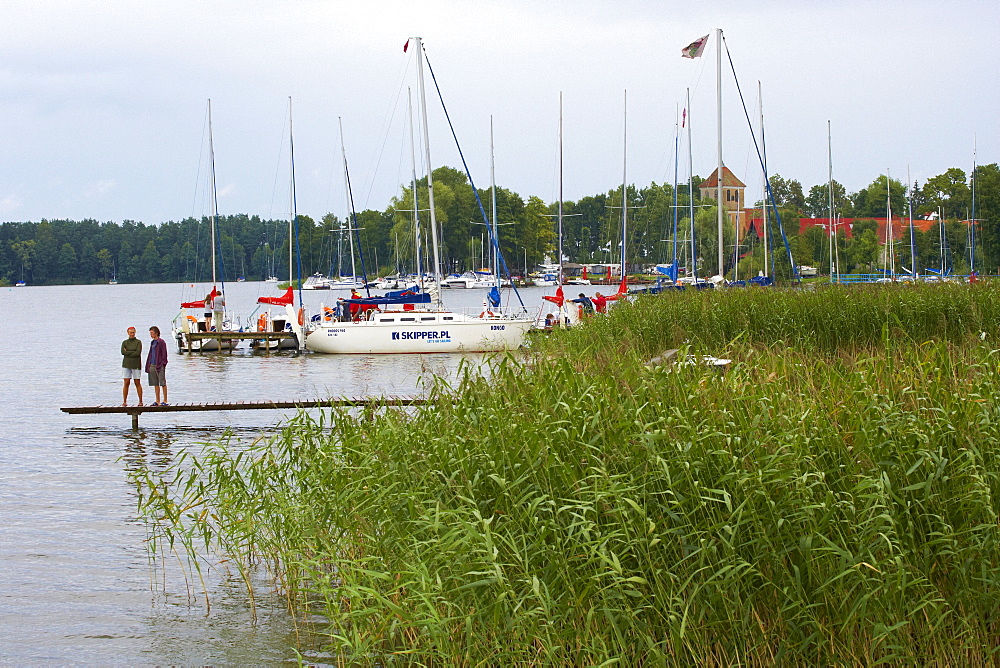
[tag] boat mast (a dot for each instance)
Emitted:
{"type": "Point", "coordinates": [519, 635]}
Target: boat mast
{"type": "Point", "coordinates": [430, 179]}
{"type": "Point", "coordinates": [416, 210]}
{"type": "Point", "coordinates": [347, 201]}
{"type": "Point", "coordinates": [354, 217]}
{"type": "Point", "coordinates": [829, 198]}
{"type": "Point", "coordinates": [890, 257]}
{"type": "Point", "coordinates": [763, 201]}
{"type": "Point", "coordinates": [291, 185]}
{"type": "Point", "coordinates": [718, 98]}
{"type": "Point", "coordinates": [972, 223]}
{"type": "Point", "coordinates": [677, 146]}
{"type": "Point", "coordinates": [215, 200]}
{"type": "Point", "coordinates": [909, 214]}
{"type": "Point", "coordinates": [624, 180]}
{"type": "Point", "coordinates": [493, 211]}
{"type": "Point", "coordinates": [693, 271]}
{"type": "Point", "coordinates": [559, 275]}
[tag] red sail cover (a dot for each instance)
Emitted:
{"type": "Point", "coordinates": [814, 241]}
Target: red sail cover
{"type": "Point", "coordinates": [558, 300]}
{"type": "Point", "coordinates": [283, 300]}
{"type": "Point", "coordinates": [201, 304]}
{"type": "Point", "coordinates": [622, 287]}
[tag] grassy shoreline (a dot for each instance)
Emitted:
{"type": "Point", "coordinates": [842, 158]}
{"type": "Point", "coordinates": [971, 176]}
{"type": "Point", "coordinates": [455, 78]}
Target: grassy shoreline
{"type": "Point", "coordinates": [831, 498]}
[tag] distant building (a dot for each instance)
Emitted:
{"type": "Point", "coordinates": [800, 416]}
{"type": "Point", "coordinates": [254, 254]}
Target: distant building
{"type": "Point", "coordinates": [900, 226]}
{"type": "Point", "coordinates": [732, 192]}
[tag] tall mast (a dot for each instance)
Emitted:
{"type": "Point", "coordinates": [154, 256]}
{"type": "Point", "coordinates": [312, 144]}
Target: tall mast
{"type": "Point", "coordinates": [215, 200]}
{"type": "Point", "coordinates": [677, 146]}
{"type": "Point", "coordinates": [763, 201]}
{"type": "Point", "coordinates": [890, 259]}
{"type": "Point", "coordinates": [430, 180]}
{"type": "Point", "coordinates": [495, 241]}
{"type": "Point", "coordinates": [718, 98]}
{"type": "Point", "coordinates": [291, 185]}
{"type": "Point", "coordinates": [972, 229]}
{"type": "Point", "coordinates": [943, 240]}
{"type": "Point", "coordinates": [829, 197]}
{"type": "Point", "coordinates": [909, 214]}
{"type": "Point", "coordinates": [693, 270]}
{"type": "Point", "coordinates": [559, 275]}
{"type": "Point", "coordinates": [416, 210]}
{"type": "Point", "coordinates": [347, 201]}
{"type": "Point", "coordinates": [624, 180]}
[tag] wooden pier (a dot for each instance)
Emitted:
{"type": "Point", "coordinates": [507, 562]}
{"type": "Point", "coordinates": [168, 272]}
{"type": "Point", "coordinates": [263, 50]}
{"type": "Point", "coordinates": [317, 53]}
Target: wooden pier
{"type": "Point", "coordinates": [221, 337]}
{"type": "Point", "coordinates": [355, 402]}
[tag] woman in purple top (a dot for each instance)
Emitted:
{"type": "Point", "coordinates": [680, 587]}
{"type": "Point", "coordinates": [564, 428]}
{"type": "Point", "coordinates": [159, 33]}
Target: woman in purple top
{"type": "Point", "coordinates": [156, 365]}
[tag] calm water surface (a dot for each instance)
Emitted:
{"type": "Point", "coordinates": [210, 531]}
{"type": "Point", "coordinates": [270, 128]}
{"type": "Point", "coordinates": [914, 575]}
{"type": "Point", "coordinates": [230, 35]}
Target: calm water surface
{"type": "Point", "coordinates": [76, 585]}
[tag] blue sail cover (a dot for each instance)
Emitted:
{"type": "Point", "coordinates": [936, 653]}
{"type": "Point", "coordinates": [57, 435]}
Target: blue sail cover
{"type": "Point", "coordinates": [493, 296]}
{"type": "Point", "coordinates": [670, 270]}
{"type": "Point", "coordinates": [394, 297]}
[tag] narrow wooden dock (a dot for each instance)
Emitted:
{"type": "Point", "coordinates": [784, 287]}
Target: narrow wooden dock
{"type": "Point", "coordinates": [223, 337]}
{"type": "Point", "coordinates": [357, 402]}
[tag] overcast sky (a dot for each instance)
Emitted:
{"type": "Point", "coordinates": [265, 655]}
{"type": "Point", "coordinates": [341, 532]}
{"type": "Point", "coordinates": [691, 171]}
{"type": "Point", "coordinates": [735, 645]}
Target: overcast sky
{"type": "Point", "coordinates": [103, 103]}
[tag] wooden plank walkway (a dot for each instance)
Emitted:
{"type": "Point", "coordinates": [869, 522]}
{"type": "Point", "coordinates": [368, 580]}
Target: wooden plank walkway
{"type": "Point", "coordinates": [191, 337]}
{"type": "Point", "coordinates": [359, 402]}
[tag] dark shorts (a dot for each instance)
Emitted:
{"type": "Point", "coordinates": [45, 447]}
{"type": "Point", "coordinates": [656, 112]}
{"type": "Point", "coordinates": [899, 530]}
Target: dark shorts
{"type": "Point", "coordinates": [157, 375]}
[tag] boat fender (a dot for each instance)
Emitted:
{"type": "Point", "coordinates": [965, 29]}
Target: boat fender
{"type": "Point", "coordinates": [302, 316]}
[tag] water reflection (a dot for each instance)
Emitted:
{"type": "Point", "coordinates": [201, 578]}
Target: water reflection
{"type": "Point", "coordinates": [77, 582]}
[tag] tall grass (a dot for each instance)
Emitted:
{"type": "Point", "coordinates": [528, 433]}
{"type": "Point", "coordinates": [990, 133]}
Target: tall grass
{"type": "Point", "coordinates": [831, 498]}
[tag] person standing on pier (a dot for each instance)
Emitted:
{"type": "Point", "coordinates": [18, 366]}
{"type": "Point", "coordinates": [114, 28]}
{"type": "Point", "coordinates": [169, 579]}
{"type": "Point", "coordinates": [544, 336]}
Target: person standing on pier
{"type": "Point", "coordinates": [156, 365]}
{"type": "Point", "coordinates": [131, 365]}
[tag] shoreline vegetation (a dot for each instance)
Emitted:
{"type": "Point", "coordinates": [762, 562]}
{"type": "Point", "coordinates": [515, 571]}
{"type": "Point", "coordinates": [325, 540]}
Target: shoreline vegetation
{"type": "Point", "coordinates": [831, 497]}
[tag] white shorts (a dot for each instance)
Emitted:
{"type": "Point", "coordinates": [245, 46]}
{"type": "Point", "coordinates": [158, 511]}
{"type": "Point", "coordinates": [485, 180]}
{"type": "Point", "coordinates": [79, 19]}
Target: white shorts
{"type": "Point", "coordinates": [129, 374]}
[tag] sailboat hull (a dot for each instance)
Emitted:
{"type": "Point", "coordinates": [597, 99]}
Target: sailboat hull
{"type": "Point", "coordinates": [421, 332]}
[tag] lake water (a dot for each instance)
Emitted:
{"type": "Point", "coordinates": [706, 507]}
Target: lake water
{"type": "Point", "coordinates": [76, 585]}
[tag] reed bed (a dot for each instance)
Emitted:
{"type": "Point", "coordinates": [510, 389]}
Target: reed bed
{"type": "Point", "coordinates": [832, 497]}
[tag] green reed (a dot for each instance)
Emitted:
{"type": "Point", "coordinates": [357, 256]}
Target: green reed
{"type": "Point", "coordinates": [830, 498]}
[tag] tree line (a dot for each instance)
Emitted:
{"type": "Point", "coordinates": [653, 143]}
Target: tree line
{"type": "Point", "coordinates": [88, 251]}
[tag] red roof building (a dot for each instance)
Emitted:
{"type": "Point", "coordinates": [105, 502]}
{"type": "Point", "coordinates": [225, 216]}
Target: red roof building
{"type": "Point", "coordinates": [900, 226]}
{"type": "Point", "coordinates": [732, 190]}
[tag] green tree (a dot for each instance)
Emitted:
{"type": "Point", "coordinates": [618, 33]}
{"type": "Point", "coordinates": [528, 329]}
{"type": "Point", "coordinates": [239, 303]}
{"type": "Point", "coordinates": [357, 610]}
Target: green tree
{"type": "Point", "coordinates": [67, 264]}
{"type": "Point", "coordinates": [536, 233]}
{"type": "Point", "coordinates": [818, 204]}
{"type": "Point", "coordinates": [872, 200]}
{"type": "Point", "coordinates": [987, 182]}
{"type": "Point", "coordinates": [25, 252]}
{"type": "Point", "coordinates": [949, 191]}
{"type": "Point", "coordinates": [89, 269]}
{"type": "Point", "coordinates": [787, 193]}
{"type": "Point", "coordinates": [863, 249]}
{"type": "Point", "coordinates": [104, 262]}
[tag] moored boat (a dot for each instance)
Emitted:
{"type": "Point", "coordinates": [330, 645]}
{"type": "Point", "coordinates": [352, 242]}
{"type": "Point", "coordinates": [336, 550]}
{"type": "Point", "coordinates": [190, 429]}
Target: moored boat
{"type": "Point", "coordinates": [418, 322]}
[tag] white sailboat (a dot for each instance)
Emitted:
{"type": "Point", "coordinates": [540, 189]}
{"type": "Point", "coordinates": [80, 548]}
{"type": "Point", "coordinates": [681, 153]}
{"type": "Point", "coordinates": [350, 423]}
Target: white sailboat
{"type": "Point", "coordinates": [214, 304]}
{"type": "Point", "coordinates": [413, 323]}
